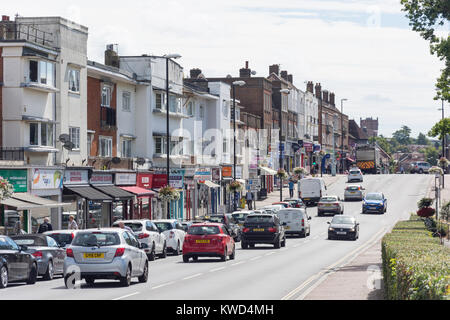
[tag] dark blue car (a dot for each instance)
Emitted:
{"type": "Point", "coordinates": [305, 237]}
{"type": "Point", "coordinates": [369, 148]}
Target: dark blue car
{"type": "Point", "coordinates": [374, 202]}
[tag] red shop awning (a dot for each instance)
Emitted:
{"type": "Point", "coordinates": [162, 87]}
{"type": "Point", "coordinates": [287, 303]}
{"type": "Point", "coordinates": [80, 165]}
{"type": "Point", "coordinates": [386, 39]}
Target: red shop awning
{"type": "Point", "coordinates": [140, 192]}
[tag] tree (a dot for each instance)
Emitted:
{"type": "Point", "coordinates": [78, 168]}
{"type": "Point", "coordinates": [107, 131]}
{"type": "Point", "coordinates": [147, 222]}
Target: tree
{"type": "Point", "coordinates": [440, 129]}
{"type": "Point", "coordinates": [425, 16]}
{"type": "Point", "coordinates": [422, 139]}
{"type": "Point", "coordinates": [431, 154]}
{"type": "Point", "coordinates": [383, 143]}
{"type": "Point", "coordinates": [402, 136]}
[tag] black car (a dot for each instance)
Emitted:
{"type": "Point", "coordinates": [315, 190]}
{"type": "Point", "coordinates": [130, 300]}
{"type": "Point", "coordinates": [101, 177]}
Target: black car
{"type": "Point", "coordinates": [15, 263]}
{"type": "Point", "coordinates": [263, 229]}
{"type": "Point", "coordinates": [343, 227]}
{"type": "Point", "coordinates": [228, 221]}
{"type": "Point", "coordinates": [296, 203]}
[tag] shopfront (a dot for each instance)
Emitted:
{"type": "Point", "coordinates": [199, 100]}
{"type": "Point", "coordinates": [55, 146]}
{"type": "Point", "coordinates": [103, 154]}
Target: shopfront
{"type": "Point", "coordinates": [176, 180]}
{"type": "Point", "coordinates": [146, 199]}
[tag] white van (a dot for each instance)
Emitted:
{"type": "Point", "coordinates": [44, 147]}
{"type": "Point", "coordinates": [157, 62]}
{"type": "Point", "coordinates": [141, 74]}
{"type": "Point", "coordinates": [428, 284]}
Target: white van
{"type": "Point", "coordinates": [310, 190]}
{"type": "Point", "coordinates": [295, 221]}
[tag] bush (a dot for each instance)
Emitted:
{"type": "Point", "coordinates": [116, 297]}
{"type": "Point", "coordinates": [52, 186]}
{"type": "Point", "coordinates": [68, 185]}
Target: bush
{"type": "Point", "coordinates": [415, 265]}
{"type": "Point", "coordinates": [426, 212]}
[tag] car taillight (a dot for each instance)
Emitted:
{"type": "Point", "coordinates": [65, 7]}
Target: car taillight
{"type": "Point", "coordinates": [172, 234]}
{"type": "Point", "coordinates": [143, 236]}
{"type": "Point", "coordinates": [37, 254]}
{"type": "Point", "coordinates": [303, 222]}
{"type": "Point", "coordinates": [119, 252]}
{"type": "Point", "coordinates": [245, 230]}
{"type": "Point", "coordinates": [69, 253]}
{"type": "Point", "coordinates": [273, 230]}
{"type": "Point", "coordinates": [73, 235]}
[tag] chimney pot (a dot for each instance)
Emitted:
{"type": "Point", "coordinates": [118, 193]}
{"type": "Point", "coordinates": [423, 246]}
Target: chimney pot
{"type": "Point", "coordinates": [284, 75]}
{"type": "Point", "coordinates": [246, 64]}
{"type": "Point", "coordinates": [275, 68]}
{"type": "Point", "coordinates": [290, 78]}
{"type": "Point", "coordinates": [5, 18]}
{"type": "Point", "coordinates": [194, 73]}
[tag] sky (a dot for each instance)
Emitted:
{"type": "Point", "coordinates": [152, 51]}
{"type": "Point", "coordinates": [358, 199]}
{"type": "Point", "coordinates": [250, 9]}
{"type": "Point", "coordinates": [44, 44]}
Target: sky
{"type": "Point", "coordinates": [362, 50]}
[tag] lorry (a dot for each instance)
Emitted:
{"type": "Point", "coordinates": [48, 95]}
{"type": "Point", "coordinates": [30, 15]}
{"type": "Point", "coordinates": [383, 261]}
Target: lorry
{"type": "Point", "coordinates": [368, 159]}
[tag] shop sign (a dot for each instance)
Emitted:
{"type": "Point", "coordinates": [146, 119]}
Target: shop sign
{"type": "Point", "coordinates": [203, 174]}
{"type": "Point", "coordinates": [125, 179]}
{"type": "Point", "coordinates": [72, 177]}
{"type": "Point", "coordinates": [145, 180]}
{"type": "Point", "coordinates": [309, 147]}
{"type": "Point", "coordinates": [18, 178]}
{"type": "Point", "coordinates": [47, 179]}
{"type": "Point", "coordinates": [227, 171]}
{"type": "Point", "coordinates": [215, 174]}
{"type": "Point", "coordinates": [175, 181]}
{"type": "Point", "coordinates": [101, 178]}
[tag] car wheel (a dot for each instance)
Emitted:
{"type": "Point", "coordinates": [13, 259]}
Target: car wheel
{"type": "Point", "coordinates": [330, 238]}
{"type": "Point", "coordinates": [144, 277]}
{"type": "Point", "coordinates": [244, 245]}
{"type": "Point", "coordinates": [151, 256]}
{"type": "Point", "coordinates": [176, 252]}
{"type": "Point", "coordinates": [164, 252]}
{"type": "Point", "coordinates": [320, 214]}
{"type": "Point", "coordinates": [195, 258]}
{"type": "Point", "coordinates": [185, 259]}
{"type": "Point", "coordinates": [90, 281]}
{"type": "Point", "coordinates": [50, 271]}
{"type": "Point", "coordinates": [420, 171]}
{"type": "Point", "coordinates": [277, 245]}
{"type": "Point", "coordinates": [283, 244]}
{"type": "Point", "coordinates": [3, 277]}
{"type": "Point", "coordinates": [224, 256]}
{"type": "Point", "coordinates": [126, 281]}
{"type": "Point", "coordinates": [233, 254]}
{"type": "Point", "coordinates": [303, 234]}
{"type": "Point", "coordinates": [252, 246]}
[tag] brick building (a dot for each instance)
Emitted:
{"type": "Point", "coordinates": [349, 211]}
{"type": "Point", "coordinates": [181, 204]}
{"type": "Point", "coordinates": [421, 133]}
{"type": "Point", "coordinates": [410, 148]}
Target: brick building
{"type": "Point", "coordinates": [370, 126]}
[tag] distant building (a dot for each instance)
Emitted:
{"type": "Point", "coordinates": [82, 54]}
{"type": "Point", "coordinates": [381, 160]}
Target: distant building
{"type": "Point", "coordinates": [370, 126]}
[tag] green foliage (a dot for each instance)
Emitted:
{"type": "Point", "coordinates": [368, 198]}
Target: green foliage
{"type": "Point", "coordinates": [425, 16]}
{"type": "Point", "coordinates": [402, 136]}
{"type": "Point", "coordinates": [422, 139]}
{"type": "Point", "coordinates": [431, 155]}
{"type": "Point", "coordinates": [440, 129]}
{"type": "Point", "coordinates": [424, 203]}
{"type": "Point", "coordinates": [415, 265]}
{"type": "Point", "coordinates": [445, 211]}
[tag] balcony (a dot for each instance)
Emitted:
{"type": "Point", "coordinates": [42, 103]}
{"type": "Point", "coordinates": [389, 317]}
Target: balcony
{"type": "Point", "coordinates": [11, 30]}
{"type": "Point", "coordinates": [108, 118]}
{"type": "Point", "coordinates": [12, 154]}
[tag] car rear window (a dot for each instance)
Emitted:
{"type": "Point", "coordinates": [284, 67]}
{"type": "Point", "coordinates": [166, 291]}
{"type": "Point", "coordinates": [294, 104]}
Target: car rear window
{"type": "Point", "coordinates": [136, 227]}
{"type": "Point", "coordinates": [240, 217]}
{"type": "Point", "coordinates": [328, 199]}
{"type": "Point", "coordinates": [30, 241]}
{"type": "Point", "coordinates": [353, 188]}
{"type": "Point", "coordinates": [94, 239]}
{"type": "Point", "coordinates": [354, 172]}
{"type": "Point", "coordinates": [164, 226]}
{"type": "Point", "coordinates": [374, 196]}
{"type": "Point", "coordinates": [217, 219]}
{"type": "Point", "coordinates": [203, 230]}
{"type": "Point", "coordinates": [61, 238]}
{"type": "Point", "coordinates": [258, 219]}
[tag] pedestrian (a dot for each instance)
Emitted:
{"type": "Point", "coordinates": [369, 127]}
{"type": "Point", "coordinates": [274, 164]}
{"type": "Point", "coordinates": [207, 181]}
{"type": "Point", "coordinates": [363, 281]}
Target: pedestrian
{"type": "Point", "coordinates": [123, 226]}
{"type": "Point", "coordinates": [291, 189]}
{"type": "Point", "coordinates": [72, 223]}
{"type": "Point", "coordinates": [18, 228]}
{"type": "Point", "coordinates": [249, 198]}
{"type": "Point", "coordinates": [46, 226]}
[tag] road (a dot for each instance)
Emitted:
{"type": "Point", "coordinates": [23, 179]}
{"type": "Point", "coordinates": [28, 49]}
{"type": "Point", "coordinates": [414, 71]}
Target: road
{"type": "Point", "coordinates": [263, 273]}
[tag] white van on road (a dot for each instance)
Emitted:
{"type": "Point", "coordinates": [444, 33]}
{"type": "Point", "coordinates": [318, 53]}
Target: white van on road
{"type": "Point", "coordinates": [310, 190]}
{"type": "Point", "coordinates": [295, 221]}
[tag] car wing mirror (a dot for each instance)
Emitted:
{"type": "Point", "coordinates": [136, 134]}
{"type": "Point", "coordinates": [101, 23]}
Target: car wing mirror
{"type": "Point", "coordinates": [309, 218]}
{"type": "Point", "coordinates": [23, 248]}
{"type": "Point", "coordinates": [143, 246]}
{"type": "Point", "coordinates": [328, 222]}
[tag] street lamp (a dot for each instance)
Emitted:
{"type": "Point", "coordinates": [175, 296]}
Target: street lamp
{"type": "Point", "coordinates": [443, 140]}
{"type": "Point", "coordinates": [342, 133]}
{"type": "Point", "coordinates": [233, 85]}
{"type": "Point", "coordinates": [333, 159]}
{"type": "Point", "coordinates": [168, 57]}
{"type": "Point", "coordinates": [287, 91]}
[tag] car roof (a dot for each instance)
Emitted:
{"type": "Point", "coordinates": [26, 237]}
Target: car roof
{"type": "Point", "coordinates": [61, 231]}
{"type": "Point", "coordinates": [29, 235]}
{"type": "Point", "coordinates": [378, 193]}
{"type": "Point", "coordinates": [280, 202]}
{"type": "Point", "coordinates": [213, 224]}
{"type": "Point", "coordinates": [104, 230]}
{"type": "Point", "coordinates": [344, 216]}
{"type": "Point", "coordinates": [165, 220]}
{"type": "Point", "coordinates": [132, 221]}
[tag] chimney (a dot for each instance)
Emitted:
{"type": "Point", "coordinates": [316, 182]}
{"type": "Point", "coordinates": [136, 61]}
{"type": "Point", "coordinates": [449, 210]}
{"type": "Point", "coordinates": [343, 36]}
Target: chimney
{"type": "Point", "coordinates": [325, 96]}
{"type": "Point", "coordinates": [332, 99]}
{"type": "Point", "coordinates": [5, 18]}
{"type": "Point", "coordinates": [194, 73]}
{"type": "Point", "coordinates": [111, 57]}
{"type": "Point", "coordinates": [284, 75]}
{"type": "Point", "coordinates": [310, 87]}
{"type": "Point", "coordinates": [245, 72]}
{"type": "Point", "coordinates": [290, 78]}
{"type": "Point", "coordinates": [318, 88]}
{"type": "Point", "coordinates": [275, 68]}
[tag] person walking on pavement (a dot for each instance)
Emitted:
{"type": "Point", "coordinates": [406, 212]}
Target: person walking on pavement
{"type": "Point", "coordinates": [72, 224]}
{"type": "Point", "coordinates": [291, 189]}
{"type": "Point", "coordinates": [123, 226]}
{"type": "Point", "coordinates": [249, 198]}
{"type": "Point", "coordinates": [46, 226]}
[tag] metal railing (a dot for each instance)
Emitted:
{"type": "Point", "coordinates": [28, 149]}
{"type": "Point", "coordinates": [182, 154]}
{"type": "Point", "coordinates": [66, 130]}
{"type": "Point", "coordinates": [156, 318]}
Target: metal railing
{"type": "Point", "coordinates": [10, 30]}
{"type": "Point", "coordinates": [12, 154]}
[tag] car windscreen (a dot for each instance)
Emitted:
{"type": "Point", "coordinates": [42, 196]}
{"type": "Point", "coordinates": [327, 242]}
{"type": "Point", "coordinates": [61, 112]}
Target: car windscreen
{"type": "Point", "coordinates": [328, 199]}
{"type": "Point", "coordinates": [343, 220]}
{"type": "Point", "coordinates": [217, 219]}
{"type": "Point", "coordinates": [164, 226]}
{"type": "Point", "coordinates": [354, 172]}
{"type": "Point", "coordinates": [240, 217]}
{"type": "Point", "coordinates": [203, 230]}
{"type": "Point", "coordinates": [353, 188]}
{"type": "Point", "coordinates": [96, 239]}
{"type": "Point", "coordinates": [374, 196]}
{"type": "Point", "coordinates": [30, 241]}
{"type": "Point", "coordinates": [136, 227]}
{"type": "Point", "coordinates": [62, 238]}
{"type": "Point", "coordinates": [259, 219]}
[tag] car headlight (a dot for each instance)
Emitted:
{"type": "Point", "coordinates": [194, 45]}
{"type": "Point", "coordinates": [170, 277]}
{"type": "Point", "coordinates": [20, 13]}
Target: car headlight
{"type": "Point", "coordinates": [330, 229]}
{"type": "Point", "coordinates": [352, 230]}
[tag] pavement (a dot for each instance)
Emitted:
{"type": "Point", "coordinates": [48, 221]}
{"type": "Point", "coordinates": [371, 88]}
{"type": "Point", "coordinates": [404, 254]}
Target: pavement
{"type": "Point", "coordinates": [445, 197]}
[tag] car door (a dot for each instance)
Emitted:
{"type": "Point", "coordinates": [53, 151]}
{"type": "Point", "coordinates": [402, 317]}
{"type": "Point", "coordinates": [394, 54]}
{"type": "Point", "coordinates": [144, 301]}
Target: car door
{"type": "Point", "coordinates": [58, 254]}
{"type": "Point", "coordinates": [180, 232]}
{"type": "Point", "coordinates": [137, 256]}
{"type": "Point", "coordinates": [8, 253]}
{"type": "Point", "coordinates": [160, 238]}
{"type": "Point", "coordinates": [19, 261]}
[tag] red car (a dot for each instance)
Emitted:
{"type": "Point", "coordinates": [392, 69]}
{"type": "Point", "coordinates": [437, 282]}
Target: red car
{"type": "Point", "coordinates": [208, 240]}
{"type": "Point", "coordinates": [284, 204]}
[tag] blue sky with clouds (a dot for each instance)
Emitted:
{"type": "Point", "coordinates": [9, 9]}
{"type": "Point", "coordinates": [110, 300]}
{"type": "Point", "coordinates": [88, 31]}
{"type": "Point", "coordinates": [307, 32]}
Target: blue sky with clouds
{"type": "Point", "coordinates": [362, 50]}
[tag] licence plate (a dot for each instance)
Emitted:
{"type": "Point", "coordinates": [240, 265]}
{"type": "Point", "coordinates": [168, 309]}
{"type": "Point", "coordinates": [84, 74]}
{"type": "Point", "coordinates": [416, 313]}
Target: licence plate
{"type": "Point", "coordinates": [287, 228]}
{"type": "Point", "coordinates": [202, 241]}
{"type": "Point", "coordinates": [352, 192]}
{"type": "Point", "coordinates": [342, 233]}
{"type": "Point", "coordinates": [258, 230]}
{"type": "Point", "coordinates": [94, 255]}
{"type": "Point", "coordinates": [328, 205]}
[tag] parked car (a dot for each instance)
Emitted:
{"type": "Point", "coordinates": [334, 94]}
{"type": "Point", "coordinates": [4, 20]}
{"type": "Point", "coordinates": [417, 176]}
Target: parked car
{"type": "Point", "coordinates": [272, 209]}
{"type": "Point", "coordinates": [62, 237]}
{"type": "Point", "coordinates": [186, 224]}
{"type": "Point", "coordinates": [311, 190]}
{"type": "Point", "coordinates": [295, 221]}
{"type": "Point", "coordinates": [208, 240]}
{"type": "Point", "coordinates": [147, 232]}
{"type": "Point", "coordinates": [239, 217]}
{"type": "Point", "coordinates": [330, 204]}
{"type": "Point", "coordinates": [108, 253]}
{"type": "Point", "coordinates": [49, 255]}
{"type": "Point", "coordinates": [354, 192]}
{"type": "Point", "coordinates": [374, 202]}
{"type": "Point", "coordinates": [228, 221]}
{"type": "Point", "coordinates": [285, 204]}
{"type": "Point", "coordinates": [174, 232]}
{"type": "Point", "coordinates": [419, 167]}
{"type": "Point", "coordinates": [343, 227]}
{"type": "Point", "coordinates": [355, 174]}
{"type": "Point", "coordinates": [263, 229]}
{"type": "Point", "coordinates": [295, 203]}
{"type": "Point", "coordinates": [15, 263]}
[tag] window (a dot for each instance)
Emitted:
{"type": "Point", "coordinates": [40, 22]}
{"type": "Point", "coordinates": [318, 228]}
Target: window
{"type": "Point", "coordinates": [34, 134]}
{"type": "Point", "coordinates": [126, 148]}
{"type": "Point", "coordinates": [74, 134]}
{"type": "Point", "coordinates": [126, 101]}
{"type": "Point", "coordinates": [42, 72]}
{"type": "Point", "coordinates": [105, 147]}
{"type": "Point", "coordinates": [106, 96]}
{"type": "Point", "coordinates": [46, 134]}
{"type": "Point", "coordinates": [225, 109]}
{"type": "Point", "coordinates": [33, 71]}
{"type": "Point", "coordinates": [90, 136]}
{"type": "Point", "coordinates": [190, 109]}
{"type": "Point", "coordinates": [224, 145]}
{"type": "Point", "coordinates": [160, 145]}
{"type": "Point", "coordinates": [202, 112]}
{"type": "Point", "coordinates": [74, 80]}
{"type": "Point", "coordinates": [176, 146]}
{"type": "Point", "coordinates": [172, 104]}
{"type": "Point", "coordinates": [159, 101]}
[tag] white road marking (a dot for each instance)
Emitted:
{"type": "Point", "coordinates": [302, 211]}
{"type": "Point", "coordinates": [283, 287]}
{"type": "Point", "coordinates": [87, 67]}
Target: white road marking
{"type": "Point", "coordinates": [194, 276]}
{"type": "Point", "coordinates": [297, 245]}
{"type": "Point", "coordinates": [255, 258]}
{"type": "Point", "coordinates": [163, 285]}
{"type": "Point", "coordinates": [127, 296]}
{"type": "Point", "coordinates": [270, 253]}
{"type": "Point", "coordinates": [218, 269]}
{"type": "Point", "coordinates": [236, 264]}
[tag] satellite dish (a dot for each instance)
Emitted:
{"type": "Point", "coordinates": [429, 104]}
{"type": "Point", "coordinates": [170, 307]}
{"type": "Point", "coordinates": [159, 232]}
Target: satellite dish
{"type": "Point", "coordinates": [69, 145]}
{"type": "Point", "coordinates": [140, 161]}
{"type": "Point", "coordinates": [116, 160]}
{"type": "Point", "coordinates": [64, 138]}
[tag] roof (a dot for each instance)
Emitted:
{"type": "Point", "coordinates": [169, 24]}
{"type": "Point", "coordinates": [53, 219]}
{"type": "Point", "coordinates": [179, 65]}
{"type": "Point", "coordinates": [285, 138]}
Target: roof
{"type": "Point", "coordinates": [86, 192]}
{"type": "Point", "coordinates": [115, 192]}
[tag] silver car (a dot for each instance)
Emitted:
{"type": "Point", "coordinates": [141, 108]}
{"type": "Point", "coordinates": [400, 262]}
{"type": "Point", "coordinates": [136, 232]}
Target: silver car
{"type": "Point", "coordinates": [330, 204]}
{"type": "Point", "coordinates": [49, 255]}
{"type": "Point", "coordinates": [354, 192]}
{"type": "Point", "coordinates": [109, 253]}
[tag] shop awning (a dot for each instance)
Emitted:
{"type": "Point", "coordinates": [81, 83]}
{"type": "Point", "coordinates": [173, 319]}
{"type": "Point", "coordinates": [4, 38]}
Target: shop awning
{"type": "Point", "coordinates": [19, 205]}
{"type": "Point", "coordinates": [211, 184]}
{"type": "Point", "coordinates": [267, 171]}
{"type": "Point", "coordinates": [42, 202]}
{"type": "Point", "coordinates": [140, 192]}
{"type": "Point", "coordinates": [87, 193]}
{"type": "Point", "coordinates": [117, 193]}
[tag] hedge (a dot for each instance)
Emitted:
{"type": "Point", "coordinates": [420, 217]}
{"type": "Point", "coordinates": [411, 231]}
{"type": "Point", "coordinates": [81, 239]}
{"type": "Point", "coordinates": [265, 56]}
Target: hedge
{"type": "Point", "coordinates": [415, 265]}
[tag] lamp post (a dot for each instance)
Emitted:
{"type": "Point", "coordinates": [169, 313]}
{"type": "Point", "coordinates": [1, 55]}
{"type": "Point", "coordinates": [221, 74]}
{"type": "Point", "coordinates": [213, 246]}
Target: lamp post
{"type": "Point", "coordinates": [443, 140]}
{"type": "Point", "coordinates": [233, 114]}
{"type": "Point", "coordinates": [342, 134]}
{"type": "Point", "coordinates": [287, 91]}
{"type": "Point", "coordinates": [333, 159]}
{"type": "Point", "coordinates": [168, 57]}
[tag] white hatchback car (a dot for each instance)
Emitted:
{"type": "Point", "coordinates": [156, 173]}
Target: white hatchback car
{"type": "Point", "coordinates": [174, 232]}
{"type": "Point", "coordinates": [355, 174]}
{"type": "Point", "coordinates": [147, 232]}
